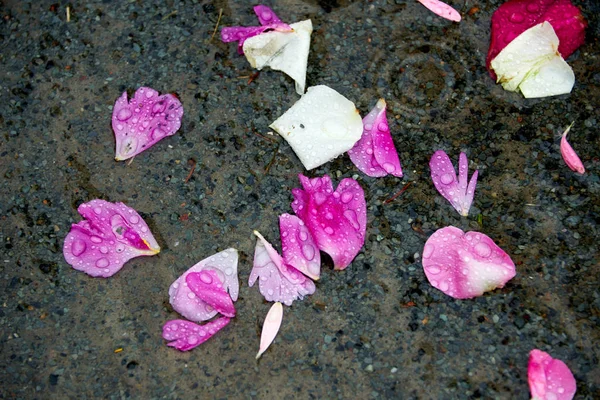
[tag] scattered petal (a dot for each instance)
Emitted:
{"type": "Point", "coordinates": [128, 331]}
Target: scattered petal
{"type": "Point", "coordinates": [320, 126]}
{"type": "Point", "coordinates": [278, 281]}
{"type": "Point", "coordinates": [442, 9]}
{"type": "Point", "coordinates": [456, 191]}
{"type": "Point", "coordinates": [298, 246]}
{"type": "Point", "coordinates": [110, 235]}
{"type": "Point", "coordinates": [568, 154]}
{"type": "Point", "coordinates": [549, 378]}
{"type": "Point", "coordinates": [375, 153]}
{"type": "Point", "coordinates": [265, 15]}
{"type": "Point", "coordinates": [241, 33]}
{"type": "Point", "coordinates": [140, 123]}
{"type": "Point", "coordinates": [224, 264]}
{"type": "Point", "coordinates": [465, 265]}
{"type": "Point", "coordinates": [185, 335]}
{"type": "Point", "coordinates": [208, 287]}
{"type": "Point", "coordinates": [270, 327]}
{"type": "Point", "coordinates": [337, 220]}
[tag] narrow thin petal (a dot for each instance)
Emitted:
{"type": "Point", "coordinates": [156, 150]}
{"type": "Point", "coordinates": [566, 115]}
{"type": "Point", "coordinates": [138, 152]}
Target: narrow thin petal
{"type": "Point", "coordinates": [549, 378]}
{"type": "Point", "coordinates": [270, 327]}
{"type": "Point", "coordinates": [185, 335]}
{"type": "Point", "coordinates": [456, 191]}
{"type": "Point", "coordinates": [208, 287]}
{"type": "Point", "coordinates": [265, 15]}
{"type": "Point", "coordinates": [442, 9]}
{"type": "Point", "coordinates": [568, 154]}
{"type": "Point", "coordinates": [298, 246]}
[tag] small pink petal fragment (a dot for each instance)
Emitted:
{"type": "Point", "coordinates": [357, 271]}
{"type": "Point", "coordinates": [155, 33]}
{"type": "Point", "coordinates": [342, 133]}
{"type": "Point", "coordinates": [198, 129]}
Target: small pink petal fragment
{"type": "Point", "coordinates": [144, 120]}
{"type": "Point", "coordinates": [456, 191]}
{"type": "Point", "coordinates": [298, 246]}
{"type": "Point", "coordinates": [568, 154]}
{"type": "Point", "coordinates": [208, 287]}
{"type": "Point", "coordinates": [241, 33]}
{"type": "Point", "coordinates": [110, 235]}
{"type": "Point", "coordinates": [337, 220]}
{"type": "Point", "coordinates": [270, 327]}
{"type": "Point", "coordinates": [375, 153]}
{"type": "Point", "coordinates": [265, 15]}
{"type": "Point", "coordinates": [549, 378]}
{"type": "Point", "coordinates": [442, 9]}
{"type": "Point", "coordinates": [224, 264]}
{"type": "Point", "coordinates": [278, 281]}
{"type": "Point", "coordinates": [465, 265]}
{"type": "Point", "coordinates": [185, 335]}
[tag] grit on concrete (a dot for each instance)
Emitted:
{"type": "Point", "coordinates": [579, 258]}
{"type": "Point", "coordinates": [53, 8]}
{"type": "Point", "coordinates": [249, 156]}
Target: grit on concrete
{"type": "Point", "coordinates": [377, 329]}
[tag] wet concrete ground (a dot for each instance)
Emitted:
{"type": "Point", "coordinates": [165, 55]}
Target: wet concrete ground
{"type": "Point", "coordinates": [375, 330]}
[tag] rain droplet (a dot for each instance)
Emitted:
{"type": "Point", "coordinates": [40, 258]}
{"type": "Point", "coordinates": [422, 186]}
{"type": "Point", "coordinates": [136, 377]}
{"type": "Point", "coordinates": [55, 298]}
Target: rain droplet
{"type": "Point", "coordinates": [104, 250]}
{"type": "Point", "coordinates": [96, 239]}
{"type": "Point", "coordinates": [124, 114]}
{"type": "Point", "coordinates": [483, 249]}
{"type": "Point", "coordinates": [389, 167]}
{"type": "Point", "coordinates": [303, 235]}
{"type": "Point", "coordinates": [102, 263]}
{"type": "Point", "coordinates": [329, 230]}
{"type": "Point", "coordinates": [434, 269]}
{"type": "Point", "coordinates": [78, 247]}
{"type": "Point", "coordinates": [205, 277]}
{"type": "Point", "coordinates": [308, 251]}
{"type": "Point", "coordinates": [158, 133]}
{"type": "Point", "coordinates": [346, 197]}
{"type": "Point", "coordinates": [352, 218]}
{"type": "Point", "coordinates": [447, 179]}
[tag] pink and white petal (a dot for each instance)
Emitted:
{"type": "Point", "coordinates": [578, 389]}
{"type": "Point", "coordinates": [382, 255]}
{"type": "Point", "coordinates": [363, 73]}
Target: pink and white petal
{"type": "Point", "coordinates": [208, 287]}
{"type": "Point", "coordinates": [185, 335]}
{"type": "Point", "coordinates": [265, 15]}
{"type": "Point", "coordinates": [549, 378]}
{"type": "Point", "coordinates": [569, 155]}
{"type": "Point", "coordinates": [465, 265]}
{"type": "Point", "coordinates": [298, 246]}
{"type": "Point", "coordinates": [270, 327]}
{"type": "Point", "coordinates": [241, 33]}
{"type": "Point", "coordinates": [442, 9]}
{"type": "Point", "coordinates": [456, 191]}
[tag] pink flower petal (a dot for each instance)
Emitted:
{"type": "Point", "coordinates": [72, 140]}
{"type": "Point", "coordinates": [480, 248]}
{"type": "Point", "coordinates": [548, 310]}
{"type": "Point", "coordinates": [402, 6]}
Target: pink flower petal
{"type": "Point", "coordinates": [375, 154]}
{"type": "Point", "coordinates": [568, 154]}
{"type": "Point", "coordinates": [457, 192]}
{"type": "Point", "coordinates": [143, 121]}
{"type": "Point", "coordinates": [298, 246]}
{"type": "Point", "coordinates": [265, 15]}
{"type": "Point", "coordinates": [337, 220]}
{"type": "Point", "coordinates": [241, 33]}
{"type": "Point", "coordinates": [549, 378]}
{"type": "Point", "coordinates": [270, 327]}
{"type": "Point", "coordinates": [208, 287]}
{"type": "Point", "coordinates": [185, 335]}
{"type": "Point", "coordinates": [224, 264]}
{"type": "Point", "coordinates": [110, 235]}
{"type": "Point", "coordinates": [278, 281]}
{"type": "Point", "coordinates": [442, 9]}
{"type": "Point", "coordinates": [465, 265]}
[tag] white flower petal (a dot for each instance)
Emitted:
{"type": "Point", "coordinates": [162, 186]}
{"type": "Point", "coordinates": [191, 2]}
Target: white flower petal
{"type": "Point", "coordinates": [553, 78]}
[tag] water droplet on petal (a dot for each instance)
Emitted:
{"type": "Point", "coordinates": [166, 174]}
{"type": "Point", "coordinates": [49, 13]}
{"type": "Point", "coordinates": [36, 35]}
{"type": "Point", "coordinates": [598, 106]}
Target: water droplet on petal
{"type": "Point", "coordinates": [205, 277]}
{"type": "Point", "coordinates": [78, 247]}
{"type": "Point", "coordinates": [124, 114]}
{"type": "Point", "coordinates": [96, 239]}
{"type": "Point", "coordinates": [346, 197]}
{"type": "Point", "coordinates": [102, 263]}
{"type": "Point", "coordinates": [308, 251]}
{"type": "Point", "coordinates": [483, 249]}
{"type": "Point", "coordinates": [447, 179]}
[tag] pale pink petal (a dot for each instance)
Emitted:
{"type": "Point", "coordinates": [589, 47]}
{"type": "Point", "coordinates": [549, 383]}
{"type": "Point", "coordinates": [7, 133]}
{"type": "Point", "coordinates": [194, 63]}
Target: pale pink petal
{"type": "Point", "coordinates": [568, 154]}
{"type": "Point", "coordinates": [337, 220]}
{"type": "Point", "coordinates": [270, 327]}
{"type": "Point", "coordinates": [549, 378]}
{"type": "Point", "coordinates": [224, 264]}
{"type": "Point", "coordinates": [298, 246]}
{"type": "Point", "coordinates": [456, 191]}
{"type": "Point", "coordinates": [208, 287]}
{"type": "Point", "coordinates": [143, 121]}
{"type": "Point", "coordinates": [265, 15]}
{"type": "Point", "coordinates": [110, 235]}
{"type": "Point", "coordinates": [465, 265]}
{"type": "Point", "coordinates": [185, 335]}
{"type": "Point", "coordinates": [277, 280]}
{"type": "Point", "coordinates": [442, 9]}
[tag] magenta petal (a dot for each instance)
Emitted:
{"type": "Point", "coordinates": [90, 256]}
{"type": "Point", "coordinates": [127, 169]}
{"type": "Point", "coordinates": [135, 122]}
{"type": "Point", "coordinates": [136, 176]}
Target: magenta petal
{"type": "Point", "coordinates": [241, 33]}
{"type": "Point", "coordinates": [456, 191]}
{"type": "Point", "coordinates": [298, 246]}
{"type": "Point", "coordinates": [375, 153]}
{"type": "Point", "coordinates": [143, 121]}
{"type": "Point", "coordinates": [208, 287]}
{"type": "Point", "coordinates": [224, 264]}
{"type": "Point", "coordinates": [549, 378]}
{"type": "Point", "coordinates": [465, 265]}
{"type": "Point", "coordinates": [277, 280]}
{"type": "Point", "coordinates": [110, 235]}
{"type": "Point", "coordinates": [265, 15]}
{"type": "Point", "coordinates": [185, 335]}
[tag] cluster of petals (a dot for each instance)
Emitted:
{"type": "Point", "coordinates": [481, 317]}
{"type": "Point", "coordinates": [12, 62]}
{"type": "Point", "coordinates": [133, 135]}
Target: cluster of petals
{"type": "Point", "coordinates": [549, 378]}
{"type": "Point", "coordinates": [456, 191]}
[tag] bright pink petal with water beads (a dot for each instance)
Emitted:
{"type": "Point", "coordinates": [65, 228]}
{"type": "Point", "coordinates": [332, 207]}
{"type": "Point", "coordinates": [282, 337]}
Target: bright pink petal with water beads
{"type": "Point", "coordinates": [185, 335]}
{"type": "Point", "coordinates": [465, 265]}
{"type": "Point", "coordinates": [208, 287]}
{"type": "Point", "coordinates": [140, 123]}
{"type": "Point", "coordinates": [298, 246]}
{"type": "Point", "coordinates": [270, 327]}
{"type": "Point", "coordinates": [568, 154]}
{"type": "Point", "coordinates": [442, 9]}
{"type": "Point", "coordinates": [110, 235]}
{"type": "Point", "coordinates": [549, 378]}
{"type": "Point", "coordinates": [375, 154]}
{"type": "Point", "coordinates": [265, 15]}
{"type": "Point", "coordinates": [456, 191]}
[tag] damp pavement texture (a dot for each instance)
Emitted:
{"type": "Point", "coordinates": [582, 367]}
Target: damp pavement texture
{"type": "Point", "coordinates": [377, 329]}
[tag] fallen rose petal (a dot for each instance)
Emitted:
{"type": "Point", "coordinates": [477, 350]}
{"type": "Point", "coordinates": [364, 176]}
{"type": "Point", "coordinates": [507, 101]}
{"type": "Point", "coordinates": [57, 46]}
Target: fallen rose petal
{"type": "Point", "coordinates": [110, 235]}
{"type": "Point", "coordinates": [442, 9]}
{"type": "Point", "coordinates": [337, 220]}
{"type": "Point", "coordinates": [375, 153]}
{"type": "Point", "coordinates": [241, 33]}
{"type": "Point", "coordinates": [465, 265]}
{"type": "Point", "coordinates": [568, 154]}
{"type": "Point", "coordinates": [185, 335]}
{"type": "Point", "coordinates": [278, 281]}
{"type": "Point", "coordinates": [208, 287]}
{"type": "Point", "coordinates": [549, 378]}
{"type": "Point", "coordinates": [298, 246]}
{"type": "Point", "coordinates": [143, 121]}
{"type": "Point", "coordinates": [456, 191]}
{"type": "Point", "coordinates": [265, 15]}
{"type": "Point", "coordinates": [224, 264]}
{"type": "Point", "coordinates": [270, 327]}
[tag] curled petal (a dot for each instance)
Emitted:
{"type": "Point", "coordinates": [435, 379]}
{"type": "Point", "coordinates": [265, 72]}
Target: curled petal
{"type": "Point", "coordinates": [208, 287]}
{"type": "Point", "coordinates": [298, 246]}
{"type": "Point", "coordinates": [442, 9]}
{"type": "Point", "coordinates": [270, 327]}
{"type": "Point", "coordinates": [185, 335]}
{"type": "Point", "coordinates": [265, 15]}
{"type": "Point", "coordinates": [456, 191]}
{"type": "Point", "coordinates": [568, 154]}
{"type": "Point", "coordinates": [549, 378]}
{"type": "Point", "coordinates": [465, 265]}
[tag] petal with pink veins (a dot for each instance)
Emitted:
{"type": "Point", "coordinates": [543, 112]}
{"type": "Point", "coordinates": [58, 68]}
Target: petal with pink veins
{"type": "Point", "coordinates": [456, 191]}
{"type": "Point", "coordinates": [549, 378]}
{"type": "Point", "coordinates": [185, 335]}
{"type": "Point", "coordinates": [208, 287]}
{"type": "Point", "coordinates": [270, 327]}
{"type": "Point", "coordinates": [298, 246]}
{"type": "Point", "coordinates": [442, 9]}
{"type": "Point", "coordinates": [110, 235]}
{"type": "Point", "coordinates": [568, 154]}
{"type": "Point", "coordinates": [465, 265]}
{"type": "Point", "coordinates": [144, 120]}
